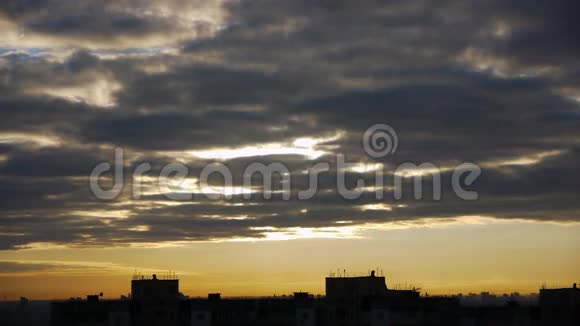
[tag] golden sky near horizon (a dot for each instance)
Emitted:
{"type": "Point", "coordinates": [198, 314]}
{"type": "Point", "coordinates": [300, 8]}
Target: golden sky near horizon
{"type": "Point", "coordinates": [439, 259]}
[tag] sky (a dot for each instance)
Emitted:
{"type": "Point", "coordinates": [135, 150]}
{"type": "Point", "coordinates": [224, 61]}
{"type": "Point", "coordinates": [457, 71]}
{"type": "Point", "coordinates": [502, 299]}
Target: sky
{"type": "Point", "coordinates": [494, 84]}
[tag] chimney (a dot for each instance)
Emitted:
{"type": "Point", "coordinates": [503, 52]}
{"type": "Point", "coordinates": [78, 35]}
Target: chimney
{"type": "Point", "coordinates": [575, 286]}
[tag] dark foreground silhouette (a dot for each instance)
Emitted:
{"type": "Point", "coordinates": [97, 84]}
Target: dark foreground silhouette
{"type": "Point", "coordinates": [349, 301]}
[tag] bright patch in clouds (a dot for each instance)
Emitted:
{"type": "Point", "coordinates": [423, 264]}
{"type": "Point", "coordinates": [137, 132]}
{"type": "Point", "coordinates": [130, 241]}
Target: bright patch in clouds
{"type": "Point", "coordinates": [36, 139]}
{"type": "Point", "coordinates": [366, 167]}
{"type": "Point", "coordinates": [99, 93]}
{"type": "Point", "coordinates": [140, 228]}
{"type": "Point", "coordinates": [259, 150]}
{"type": "Point", "coordinates": [525, 160]}
{"type": "Point", "coordinates": [282, 234]}
{"type": "Point", "coordinates": [377, 207]}
{"type": "Point", "coordinates": [309, 147]}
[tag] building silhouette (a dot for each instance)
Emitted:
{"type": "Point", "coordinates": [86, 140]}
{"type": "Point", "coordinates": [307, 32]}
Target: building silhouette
{"type": "Point", "coordinates": [560, 306]}
{"type": "Point", "coordinates": [155, 302]}
{"type": "Point", "coordinates": [349, 301]}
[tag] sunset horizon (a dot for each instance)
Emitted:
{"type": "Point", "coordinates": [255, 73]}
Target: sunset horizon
{"type": "Point", "coordinates": [67, 274]}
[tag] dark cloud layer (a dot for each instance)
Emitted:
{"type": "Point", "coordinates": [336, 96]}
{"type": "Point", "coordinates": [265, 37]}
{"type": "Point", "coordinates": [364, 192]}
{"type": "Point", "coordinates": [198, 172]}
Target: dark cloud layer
{"type": "Point", "coordinates": [102, 21]}
{"type": "Point", "coordinates": [489, 82]}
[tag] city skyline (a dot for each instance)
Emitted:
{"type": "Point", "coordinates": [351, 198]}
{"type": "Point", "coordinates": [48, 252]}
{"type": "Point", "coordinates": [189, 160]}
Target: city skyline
{"type": "Point", "coordinates": [348, 300]}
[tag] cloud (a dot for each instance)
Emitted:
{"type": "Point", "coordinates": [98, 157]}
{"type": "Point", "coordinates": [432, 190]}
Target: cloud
{"type": "Point", "coordinates": [491, 83]}
{"type": "Point", "coordinates": [31, 267]}
{"type": "Point", "coordinates": [108, 23]}
{"type": "Point", "coordinates": [538, 33]}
